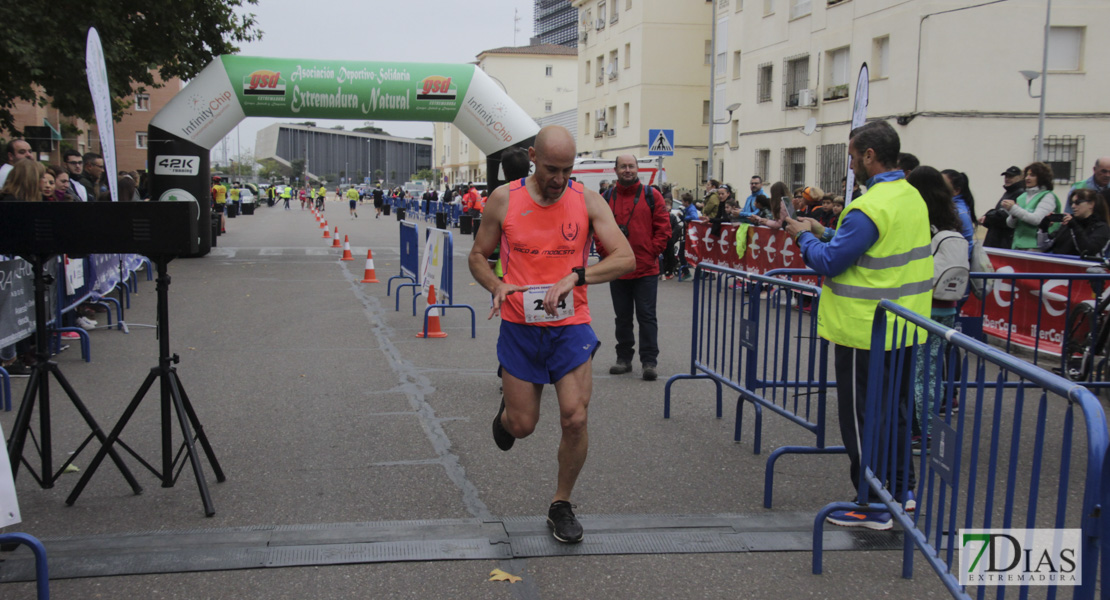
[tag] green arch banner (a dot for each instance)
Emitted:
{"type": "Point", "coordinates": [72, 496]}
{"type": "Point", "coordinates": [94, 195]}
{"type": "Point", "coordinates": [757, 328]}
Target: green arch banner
{"type": "Point", "coordinates": [233, 88]}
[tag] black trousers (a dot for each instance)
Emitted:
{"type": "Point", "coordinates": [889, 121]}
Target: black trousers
{"type": "Point", "coordinates": [636, 296]}
{"type": "Point", "coordinates": [851, 391]}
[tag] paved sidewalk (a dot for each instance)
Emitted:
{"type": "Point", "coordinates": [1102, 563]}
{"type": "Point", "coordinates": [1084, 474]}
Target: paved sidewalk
{"type": "Point", "coordinates": [337, 426]}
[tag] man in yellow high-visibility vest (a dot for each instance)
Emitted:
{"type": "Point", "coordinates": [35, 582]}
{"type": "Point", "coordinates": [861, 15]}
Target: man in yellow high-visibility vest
{"type": "Point", "coordinates": [880, 251]}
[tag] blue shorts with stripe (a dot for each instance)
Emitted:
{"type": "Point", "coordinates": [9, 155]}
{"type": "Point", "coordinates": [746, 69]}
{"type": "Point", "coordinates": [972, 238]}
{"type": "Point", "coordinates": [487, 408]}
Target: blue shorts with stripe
{"type": "Point", "coordinates": [544, 354]}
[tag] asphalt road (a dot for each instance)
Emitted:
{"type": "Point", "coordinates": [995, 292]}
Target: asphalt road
{"type": "Point", "coordinates": [323, 409]}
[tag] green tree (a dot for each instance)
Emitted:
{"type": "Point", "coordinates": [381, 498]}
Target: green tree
{"type": "Point", "coordinates": [271, 169]}
{"type": "Point", "coordinates": [378, 174]}
{"type": "Point", "coordinates": [297, 169]}
{"type": "Point", "coordinates": [427, 175]}
{"type": "Point", "coordinates": [177, 39]}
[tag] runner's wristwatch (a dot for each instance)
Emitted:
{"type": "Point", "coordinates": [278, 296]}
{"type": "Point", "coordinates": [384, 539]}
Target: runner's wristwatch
{"type": "Point", "coordinates": [581, 272]}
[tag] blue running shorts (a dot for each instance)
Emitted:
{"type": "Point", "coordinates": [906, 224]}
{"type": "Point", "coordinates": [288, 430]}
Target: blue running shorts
{"type": "Point", "coordinates": [544, 354]}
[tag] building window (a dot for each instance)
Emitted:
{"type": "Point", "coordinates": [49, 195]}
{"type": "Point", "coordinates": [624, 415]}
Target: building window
{"type": "Point", "coordinates": [838, 65]}
{"type": "Point", "coordinates": [627, 114]}
{"type": "Point", "coordinates": [796, 79]}
{"type": "Point", "coordinates": [600, 70]}
{"type": "Point", "coordinates": [880, 57]}
{"type": "Point", "coordinates": [832, 166]}
{"type": "Point", "coordinates": [613, 63]}
{"type": "Point", "coordinates": [722, 4]}
{"type": "Point", "coordinates": [628, 55]}
{"type": "Point", "coordinates": [612, 118]}
{"type": "Point", "coordinates": [586, 123]}
{"type": "Point", "coordinates": [142, 102]}
{"type": "Point", "coordinates": [800, 8]}
{"type": "Point", "coordinates": [763, 163]}
{"type": "Point", "coordinates": [613, 17]}
{"type": "Point", "coordinates": [768, 7]}
{"type": "Point", "coordinates": [589, 69]}
{"type": "Point", "coordinates": [547, 106]}
{"type": "Point", "coordinates": [739, 5]}
{"type": "Point", "coordinates": [548, 70]}
{"type": "Point", "coordinates": [794, 167]}
{"type": "Point", "coordinates": [1065, 48]}
{"type": "Point", "coordinates": [628, 5]}
{"type": "Point", "coordinates": [140, 140]}
{"type": "Point", "coordinates": [734, 135]}
{"type": "Point", "coordinates": [601, 14]}
{"type": "Point", "coordinates": [763, 89]}
{"type": "Point", "coordinates": [708, 51]}
{"type": "Point", "coordinates": [1064, 154]}
{"type": "Point", "coordinates": [736, 65]}
{"type": "Point", "coordinates": [705, 112]}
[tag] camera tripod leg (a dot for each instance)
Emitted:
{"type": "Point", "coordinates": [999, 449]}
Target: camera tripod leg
{"type": "Point", "coordinates": [187, 434]}
{"type": "Point", "coordinates": [97, 431]}
{"type": "Point", "coordinates": [201, 436]}
{"type": "Point", "coordinates": [23, 422]}
{"type": "Point", "coordinates": [112, 438]}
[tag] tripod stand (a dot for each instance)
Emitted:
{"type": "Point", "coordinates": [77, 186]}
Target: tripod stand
{"type": "Point", "coordinates": [38, 390]}
{"type": "Point", "coordinates": [172, 394]}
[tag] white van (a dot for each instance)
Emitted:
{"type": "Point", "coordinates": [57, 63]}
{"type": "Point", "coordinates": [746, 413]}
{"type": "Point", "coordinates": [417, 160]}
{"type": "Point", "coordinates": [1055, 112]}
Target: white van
{"type": "Point", "coordinates": [590, 172]}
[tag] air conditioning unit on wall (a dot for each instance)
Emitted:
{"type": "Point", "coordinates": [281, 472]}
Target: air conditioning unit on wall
{"type": "Point", "coordinates": [807, 98]}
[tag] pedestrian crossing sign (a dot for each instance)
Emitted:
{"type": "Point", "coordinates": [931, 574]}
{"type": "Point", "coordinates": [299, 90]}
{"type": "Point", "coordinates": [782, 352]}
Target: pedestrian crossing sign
{"type": "Point", "coordinates": [661, 142]}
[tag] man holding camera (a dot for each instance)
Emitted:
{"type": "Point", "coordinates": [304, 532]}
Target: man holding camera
{"type": "Point", "coordinates": [642, 215]}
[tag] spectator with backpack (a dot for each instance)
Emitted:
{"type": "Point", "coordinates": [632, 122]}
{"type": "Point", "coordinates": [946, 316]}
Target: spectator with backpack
{"type": "Point", "coordinates": [950, 279]}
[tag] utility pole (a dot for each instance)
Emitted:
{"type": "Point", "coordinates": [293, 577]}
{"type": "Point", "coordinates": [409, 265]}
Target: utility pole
{"type": "Point", "coordinates": [712, 84]}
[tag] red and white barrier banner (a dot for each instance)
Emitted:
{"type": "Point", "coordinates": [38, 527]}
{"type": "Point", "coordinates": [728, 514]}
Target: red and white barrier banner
{"type": "Point", "coordinates": [1011, 309]}
{"type": "Point", "coordinates": [767, 248]}
{"type": "Point", "coordinates": [1028, 297]}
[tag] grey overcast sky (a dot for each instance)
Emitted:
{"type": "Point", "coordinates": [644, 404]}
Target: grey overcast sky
{"type": "Point", "coordinates": [437, 31]}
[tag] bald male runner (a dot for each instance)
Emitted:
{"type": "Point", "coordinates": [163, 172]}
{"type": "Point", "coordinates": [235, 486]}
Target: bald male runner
{"type": "Point", "coordinates": [546, 224]}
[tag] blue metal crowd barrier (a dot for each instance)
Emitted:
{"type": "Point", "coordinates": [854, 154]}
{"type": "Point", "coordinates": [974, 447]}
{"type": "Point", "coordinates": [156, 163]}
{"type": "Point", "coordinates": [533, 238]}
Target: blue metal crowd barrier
{"type": "Point", "coordinates": [1001, 461]}
{"type": "Point", "coordinates": [42, 572]}
{"type": "Point", "coordinates": [448, 283]}
{"type": "Point", "coordinates": [754, 334]}
{"type": "Point", "coordinates": [5, 389]}
{"type": "Point", "coordinates": [410, 261]}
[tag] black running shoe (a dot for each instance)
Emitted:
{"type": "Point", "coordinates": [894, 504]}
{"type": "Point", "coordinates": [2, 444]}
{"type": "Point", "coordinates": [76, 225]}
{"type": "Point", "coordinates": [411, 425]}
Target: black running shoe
{"type": "Point", "coordinates": [501, 437]}
{"type": "Point", "coordinates": [564, 526]}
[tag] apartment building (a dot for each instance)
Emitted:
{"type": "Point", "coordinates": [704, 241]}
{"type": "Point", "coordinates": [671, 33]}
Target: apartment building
{"type": "Point", "coordinates": [644, 64]}
{"type": "Point", "coordinates": [51, 133]}
{"type": "Point", "coordinates": [945, 73]}
{"type": "Point", "coordinates": [541, 78]}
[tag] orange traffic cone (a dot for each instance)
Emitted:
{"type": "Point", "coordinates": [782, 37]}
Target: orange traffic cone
{"type": "Point", "coordinates": [324, 224]}
{"type": "Point", "coordinates": [369, 276]}
{"type": "Point", "coordinates": [347, 249]}
{"type": "Point", "coordinates": [434, 330]}
{"type": "Point", "coordinates": [335, 239]}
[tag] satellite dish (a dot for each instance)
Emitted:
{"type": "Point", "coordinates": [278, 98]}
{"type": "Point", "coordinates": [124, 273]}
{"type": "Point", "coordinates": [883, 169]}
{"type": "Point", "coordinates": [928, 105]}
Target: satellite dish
{"type": "Point", "coordinates": [810, 126]}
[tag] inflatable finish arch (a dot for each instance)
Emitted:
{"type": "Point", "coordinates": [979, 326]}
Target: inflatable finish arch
{"type": "Point", "coordinates": [235, 87]}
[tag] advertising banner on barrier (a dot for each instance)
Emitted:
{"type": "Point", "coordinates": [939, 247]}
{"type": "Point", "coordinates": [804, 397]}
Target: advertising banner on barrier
{"type": "Point", "coordinates": [17, 301]}
{"type": "Point", "coordinates": [9, 504]}
{"type": "Point", "coordinates": [75, 274]}
{"type": "Point", "coordinates": [105, 272]}
{"type": "Point", "coordinates": [766, 248]}
{"type": "Point", "coordinates": [1026, 297]}
{"type": "Point", "coordinates": [432, 272]}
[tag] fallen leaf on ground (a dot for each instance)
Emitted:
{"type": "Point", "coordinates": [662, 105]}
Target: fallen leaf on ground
{"type": "Point", "coordinates": [499, 575]}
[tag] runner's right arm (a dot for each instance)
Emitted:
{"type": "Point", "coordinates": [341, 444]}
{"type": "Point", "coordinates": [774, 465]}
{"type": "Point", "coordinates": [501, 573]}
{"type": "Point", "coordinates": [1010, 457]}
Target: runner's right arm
{"type": "Point", "coordinates": [485, 242]}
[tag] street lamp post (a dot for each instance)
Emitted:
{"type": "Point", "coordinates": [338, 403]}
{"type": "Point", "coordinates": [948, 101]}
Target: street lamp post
{"type": "Point", "coordinates": [1043, 74]}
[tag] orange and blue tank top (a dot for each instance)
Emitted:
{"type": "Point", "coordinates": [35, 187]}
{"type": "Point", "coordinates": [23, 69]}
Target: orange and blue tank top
{"type": "Point", "coordinates": [539, 246]}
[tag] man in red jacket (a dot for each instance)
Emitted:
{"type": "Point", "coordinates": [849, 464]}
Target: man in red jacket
{"type": "Point", "coordinates": [642, 215]}
{"type": "Point", "coordinates": [472, 202]}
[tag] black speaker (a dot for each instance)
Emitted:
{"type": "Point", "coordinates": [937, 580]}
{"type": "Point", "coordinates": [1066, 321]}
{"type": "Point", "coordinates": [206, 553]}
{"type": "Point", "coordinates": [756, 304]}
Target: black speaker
{"type": "Point", "coordinates": [150, 228]}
